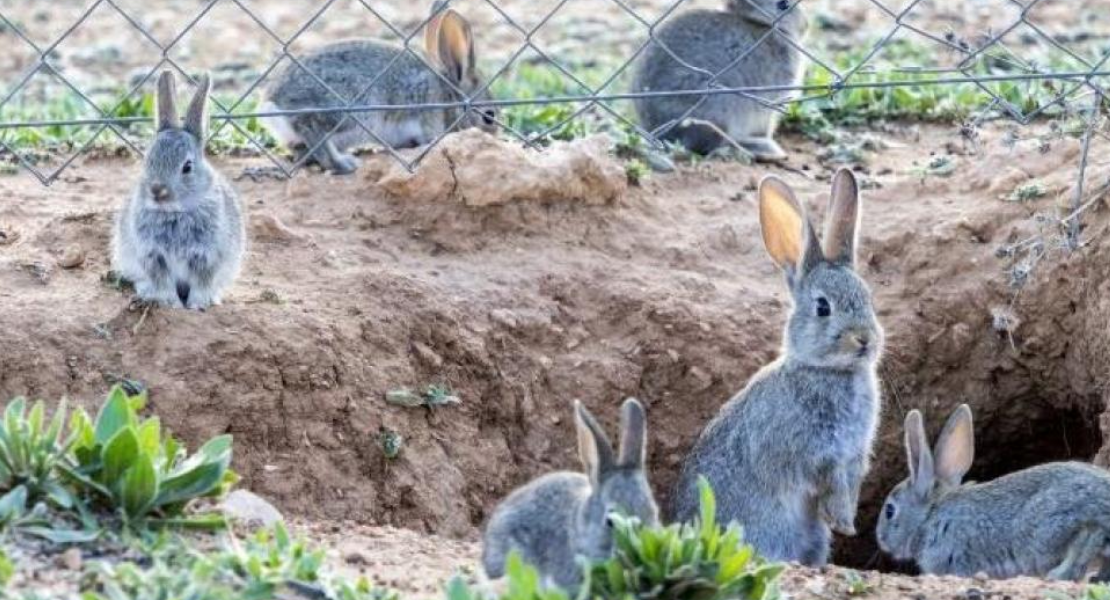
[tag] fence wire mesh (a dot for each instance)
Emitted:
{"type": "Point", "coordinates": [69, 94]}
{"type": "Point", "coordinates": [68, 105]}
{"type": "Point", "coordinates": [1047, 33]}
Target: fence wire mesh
{"type": "Point", "coordinates": [1015, 59]}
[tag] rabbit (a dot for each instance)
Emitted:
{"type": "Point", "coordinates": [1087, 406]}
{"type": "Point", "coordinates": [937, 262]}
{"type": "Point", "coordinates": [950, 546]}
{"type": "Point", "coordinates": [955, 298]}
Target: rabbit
{"type": "Point", "coordinates": [367, 72]}
{"type": "Point", "coordinates": [180, 236]}
{"type": "Point", "coordinates": [787, 454]}
{"type": "Point", "coordinates": [561, 516]}
{"type": "Point", "coordinates": [695, 45]}
{"type": "Point", "coordinates": [1051, 520]}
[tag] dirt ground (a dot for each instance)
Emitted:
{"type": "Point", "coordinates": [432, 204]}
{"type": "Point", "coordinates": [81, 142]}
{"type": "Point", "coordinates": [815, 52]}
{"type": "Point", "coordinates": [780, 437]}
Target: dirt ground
{"type": "Point", "coordinates": [667, 295]}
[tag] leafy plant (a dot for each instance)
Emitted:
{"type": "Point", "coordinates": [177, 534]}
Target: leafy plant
{"type": "Point", "coordinates": [391, 442]}
{"type": "Point", "coordinates": [262, 567]}
{"type": "Point", "coordinates": [30, 449]}
{"type": "Point", "coordinates": [433, 395]}
{"type": "Point", "coordinates": [130, 467]}
{"type": "Point", "coordinates": [1027, 192]}
{"type": "Point", "coordinates": [699, 560]}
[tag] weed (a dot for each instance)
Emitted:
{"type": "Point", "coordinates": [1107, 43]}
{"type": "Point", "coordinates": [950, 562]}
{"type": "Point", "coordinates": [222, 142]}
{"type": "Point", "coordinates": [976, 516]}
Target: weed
{"type": "Point", "coordinates": [1027, 192]}
{"type": "Point", "coordinates": [31, 450]}
{"type": "Point", "coordinates": [129, 467]}
{"type": "Point", "coordinates": [391, 442]}
{"type": "Point", "coordinates": [637, 171]}
{"type": "Point", "coordinates": [856, 584]}
{"type": "Point", "coordinates": [938, 166]}
{"type": "Point", "coordinates": [433, 395]}
{"type": "Point", "coordinates": [264, 566]}
{"type": "Point", "coordinates": [7, 569]}
{"type": "Point", "coordinates": [684, 561]}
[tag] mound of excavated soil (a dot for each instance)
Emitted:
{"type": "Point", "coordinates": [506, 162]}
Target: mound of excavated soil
{"type": "Point", "coordinates": [520, 308]}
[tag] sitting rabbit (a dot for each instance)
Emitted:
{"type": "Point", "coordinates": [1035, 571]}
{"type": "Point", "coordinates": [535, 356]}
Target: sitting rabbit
{"type": "Point", "coordinates": [1049, 520]}
{"type": "Point", "coordinates": [689, 49]}
{"type": "Point", "coordinates": [786, 456]}
{"type": "Point", "coordinates": [555, 519]}
{"type": "Point", "coordinates": [367, 72]}
{"type": "Point", "coordinates": [180, 236]}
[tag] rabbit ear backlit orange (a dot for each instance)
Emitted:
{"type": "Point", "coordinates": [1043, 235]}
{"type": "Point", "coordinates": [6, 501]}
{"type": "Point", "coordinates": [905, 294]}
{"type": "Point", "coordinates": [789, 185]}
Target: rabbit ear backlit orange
{"type": "Point", "coordinates": [431, 30]}
{"type": "Point", "coordinates": [955, 450]}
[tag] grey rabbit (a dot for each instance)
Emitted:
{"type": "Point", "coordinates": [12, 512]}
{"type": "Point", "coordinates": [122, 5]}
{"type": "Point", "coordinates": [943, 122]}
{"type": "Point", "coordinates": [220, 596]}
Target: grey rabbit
{"type": "Point", "coordinates": [370, 72]}
{"type": "Point", "coordinates": [180, 236]}
{"type": "Point", "coordinates": [1049, 520]}
{"type": "Point", "coordinates": [563, 515]}
{"type": "Point", "coordinates": [787, 454]}
{"type": "Point", "coordinates": [709, 41]}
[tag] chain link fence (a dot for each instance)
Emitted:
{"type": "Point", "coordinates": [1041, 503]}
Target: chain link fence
{"type": "Point", "coordinates": [1021, 60]}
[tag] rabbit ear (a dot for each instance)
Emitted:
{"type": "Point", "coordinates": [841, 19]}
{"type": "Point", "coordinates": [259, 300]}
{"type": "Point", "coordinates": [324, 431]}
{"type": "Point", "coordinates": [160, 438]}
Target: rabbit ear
{"type": "Point", "coordinates": [633, 450]}
{"type": "Point", "coordinates": [955, 449]}
{"type": "Point", "coordinates": [456, 45]}
{"type": "Point", "coordinates": [431, 29]}
{"type": "Point", "coordinates": [167, 103]}
{"type": "Point", "coordinates": [842, 222]}
{"type": "Point", "coordinates": [196, 118]}
{"type": "Point", "coordinates": [787, 233]}
{"type": "Point", "coordinates": [918, 455]}
{"type": "Point", "coordinates": [594, 448]}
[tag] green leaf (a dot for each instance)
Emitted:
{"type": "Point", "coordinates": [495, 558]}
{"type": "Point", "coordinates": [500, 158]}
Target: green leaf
{"type": "Point", "coordinates": [62, 536]}
{"type": "Point", "coordinates": [81, 428]}
{"type": "Point", "coordinates": [150, 437]}
{"type": "Point", "coordinates": [118, 455]}
{"type": "Point", "coordinates": [13, 504]}
{"type": "Point", "coordinates": [217, 448]}
{"type": "Point", "coordinates": [190, 484]}
{"type": "Point", "coordinates": [115, 415]}
{"type": "Point", "coordinates": [140, 487]}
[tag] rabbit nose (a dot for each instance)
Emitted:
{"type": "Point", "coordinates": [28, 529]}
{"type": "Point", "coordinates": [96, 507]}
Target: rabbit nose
{"type": "Point", "coordinates": [160, 192]}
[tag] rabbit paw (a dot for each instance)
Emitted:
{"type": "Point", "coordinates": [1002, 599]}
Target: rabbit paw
{"type": "Point", "coordinates": [764, 149]}
{"type": "Point", "coordinates": [344, 164]}
{"type": "Point", "coordinates": [839, 516]}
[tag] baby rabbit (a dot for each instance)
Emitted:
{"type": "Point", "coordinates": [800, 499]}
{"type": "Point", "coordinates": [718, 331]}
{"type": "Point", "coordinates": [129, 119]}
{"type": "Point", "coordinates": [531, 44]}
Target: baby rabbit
{"type": "Point", "coordinates": [179, 237]}
{"type": "Point", "coordinates": [1049, 520]}
{"type": "Point", "coordinates": [787, 454]}
{"type": "Point", "coordinates": [559, 516]}
{"type": "Point", "coordinates": [689, 49]}
{"type": "Point", "coordinates": [366, 72]}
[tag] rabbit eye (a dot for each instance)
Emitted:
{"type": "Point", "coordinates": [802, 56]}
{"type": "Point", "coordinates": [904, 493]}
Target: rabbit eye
{"type": "Point", "coordinates": [783, 5]}
{"type": "Point", "coordinates": [488, 116]}
{"type": "Point", "coordinates": [888, 510]}
{"type": "Point", "coordinates": [823, 308]}
{"type": "Point", "coordinates": [187, 167]}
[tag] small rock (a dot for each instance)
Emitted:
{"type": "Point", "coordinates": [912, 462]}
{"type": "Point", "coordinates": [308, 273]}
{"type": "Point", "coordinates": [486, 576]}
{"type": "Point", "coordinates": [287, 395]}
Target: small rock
{"type": "Point", "coordinates": [72, 258]}
{"type": "Point", "coordinates": [250, 509]}
{"type": "Point", "coordinates": [70, 559]}
{"type": "Point", "coordinates": [268, 228]}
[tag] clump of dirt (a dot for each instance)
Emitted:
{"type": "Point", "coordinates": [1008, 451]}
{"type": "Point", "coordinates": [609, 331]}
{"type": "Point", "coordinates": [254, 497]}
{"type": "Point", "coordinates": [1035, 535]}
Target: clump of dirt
{"type": "Point", "coordinates": [518, 308]}
{"type": "Point", "coordinates": [475, 168]}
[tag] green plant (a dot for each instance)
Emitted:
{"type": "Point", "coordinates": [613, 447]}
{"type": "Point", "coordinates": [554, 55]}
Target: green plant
{"type": "Point", "coordinates": [31, 449]}
{"type": "Point", "coordinates": [130, 467]}
{"type": "Point", "coordinates": [391, 442]}
{"type": "Point", "coordinates": [856, 584]}
{"type": "Point", "coordinates": [7, 569]}
{"type": "Point", "coordinates": [265, 566]}
{"type": "Point", "coordinates": [1027, 192]}
{"type": "Point", "coordinates": [699, 560]}
{"type": "Point", "coordinates": [637, 171]}
{"type": "Point", "coordinates": [434, 395]}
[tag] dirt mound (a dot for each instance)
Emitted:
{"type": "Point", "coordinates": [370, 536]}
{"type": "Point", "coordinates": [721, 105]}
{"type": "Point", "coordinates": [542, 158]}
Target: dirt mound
{"type": "Point", "coordinates": [520, 308]}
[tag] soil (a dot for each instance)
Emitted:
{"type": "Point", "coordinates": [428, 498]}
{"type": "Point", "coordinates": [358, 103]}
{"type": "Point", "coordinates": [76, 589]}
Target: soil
{"type": "Point", "coordinates": [349, 292]}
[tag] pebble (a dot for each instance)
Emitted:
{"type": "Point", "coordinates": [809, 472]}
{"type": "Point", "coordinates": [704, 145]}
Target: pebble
{"type": "Point", "coordinates": [71, 258]}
